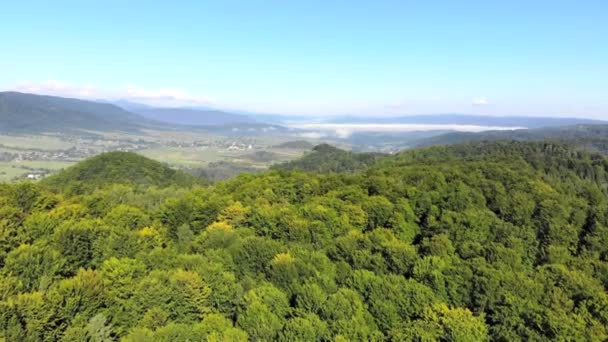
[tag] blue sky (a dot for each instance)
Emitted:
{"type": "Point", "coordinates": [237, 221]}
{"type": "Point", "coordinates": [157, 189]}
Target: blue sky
{"type": "Point", "coordinates": [316, 57]}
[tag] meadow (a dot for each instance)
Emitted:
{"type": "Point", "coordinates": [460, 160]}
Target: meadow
{"type": "Point", "coordinates": [23, 154]}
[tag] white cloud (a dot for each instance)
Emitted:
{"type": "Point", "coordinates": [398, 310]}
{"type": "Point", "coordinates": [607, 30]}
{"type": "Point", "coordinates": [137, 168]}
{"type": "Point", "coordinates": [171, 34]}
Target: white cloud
{"type": "Point", "coordinates": [343, 132]}
{"type": "Point", "coordinates": [480, 101]}
{"type": "Point", "coordinates": [57, 88]}
{"type": "Point", "coordinates": [171, 97]}
{"type": "Point", "coordinates": [312, 135]}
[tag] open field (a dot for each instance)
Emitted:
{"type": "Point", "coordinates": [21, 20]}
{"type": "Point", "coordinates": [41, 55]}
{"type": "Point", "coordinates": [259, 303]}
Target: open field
{"type": "Point", "coordinates": [185, 156]}
{"type": "Point", "coordinates": [43, 154]}
{"type": "Point", "coordinates": [42, 164]}
{"type": "Point", "coordinates": [14, 169]}
{"type": "Point", "coordinates": [9, 171]}
{"type": "Point", "coordinates": [40, 142]}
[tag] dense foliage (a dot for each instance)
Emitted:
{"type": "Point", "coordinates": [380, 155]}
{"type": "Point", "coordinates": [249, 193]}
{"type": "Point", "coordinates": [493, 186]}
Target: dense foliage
{"type": "Point", "coordinates": [467, 243]}
{"type": "Point", "coordinates": [325, 158]}
{"type": "Point", "coordinates": [117, 168]}
{"type": "Point", "coordinates": [590, 137]}
{"type": "Point", "coordinates": [222, 170]}
{"type": "Point", "coordinates": [296, 144]}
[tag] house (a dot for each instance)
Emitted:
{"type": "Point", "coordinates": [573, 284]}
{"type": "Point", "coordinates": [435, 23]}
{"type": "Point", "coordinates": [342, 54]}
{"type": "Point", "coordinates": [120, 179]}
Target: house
{"type": "Point", "coordinates": [34, 176]}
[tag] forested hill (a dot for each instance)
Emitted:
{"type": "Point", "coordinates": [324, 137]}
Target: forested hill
{"type": "Point", "coordinates": [555, 159]}
{"type": "Point", "coordinates": [477, 242]}
{"type": "Point", "coordinates": [117, 168]}
{"type": "Point", "coordinates": [325, 158]}
{"type": "Point", "coordinates": [591, 137]}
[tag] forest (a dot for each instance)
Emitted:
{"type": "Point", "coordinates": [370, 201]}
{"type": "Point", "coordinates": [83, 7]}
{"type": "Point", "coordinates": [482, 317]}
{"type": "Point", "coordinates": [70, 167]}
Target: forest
{"type": "Point", "coordinates": [500, 241]}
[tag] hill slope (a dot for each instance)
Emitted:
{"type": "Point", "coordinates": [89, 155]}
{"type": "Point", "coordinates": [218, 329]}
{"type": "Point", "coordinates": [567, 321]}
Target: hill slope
{"type": "Point", "coordinates": [593, 137]}
{"type": "Point", "coordinates": [39, 113]}
{"type": "Point", "coordinates": [117, 168]}
{"type": "Point", "coordinates": [192, 117]}
{"type": "Point", "coordinates": [325, 158]}
{"type": "Point", "coordinates": [296, 144]}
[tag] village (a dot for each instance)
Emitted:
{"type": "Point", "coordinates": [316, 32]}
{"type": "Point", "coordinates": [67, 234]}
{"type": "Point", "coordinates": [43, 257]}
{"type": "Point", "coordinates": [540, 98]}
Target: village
{"type": "Point", "coordinates": [39, 157]}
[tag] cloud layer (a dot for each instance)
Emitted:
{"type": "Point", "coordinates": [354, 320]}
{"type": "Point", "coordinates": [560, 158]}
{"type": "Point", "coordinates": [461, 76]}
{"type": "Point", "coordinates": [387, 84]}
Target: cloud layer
{"type": "Point", "coordinates": [346, 130]}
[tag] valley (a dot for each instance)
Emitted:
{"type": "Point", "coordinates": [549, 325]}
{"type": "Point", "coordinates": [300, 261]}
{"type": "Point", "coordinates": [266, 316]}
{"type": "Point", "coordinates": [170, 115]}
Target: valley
{"type": "Point", "coordinates": [42, 154]}
{"type": "Point", "coordinates": [40, 135]}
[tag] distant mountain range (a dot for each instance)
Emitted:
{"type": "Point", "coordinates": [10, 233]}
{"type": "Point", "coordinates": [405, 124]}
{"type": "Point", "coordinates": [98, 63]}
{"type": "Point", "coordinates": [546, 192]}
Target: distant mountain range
{"type": "Point", "coordinates": [465, 119]}
{"type": "Point", "coordinates": [21, 112]}
{"type": "Point", "coordinates": [193, 117]}
{"type": "Point", "coordinates": [189, 116]}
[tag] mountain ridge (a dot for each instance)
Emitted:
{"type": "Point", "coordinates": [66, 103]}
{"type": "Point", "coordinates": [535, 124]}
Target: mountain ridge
{"type": "Point", "coordinates": [470, 119]}
{"type": "Point", "coordinates": [192, 116]}
{"type": "Point", "coordinates": [23, 112]}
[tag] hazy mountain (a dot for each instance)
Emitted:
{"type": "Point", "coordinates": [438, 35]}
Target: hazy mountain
{"type": "Point", "coordinates": [283, 119]}
{"type": "Point", "coordinates": [465, 119]}
{"type": "Point", "coordinates": [20, 112]}
{"type": "Point", "coordinates": [40, 113]}
{"type": "Point", "coordinates": [129, 105]}
{"type": "Point", "coordinates": [191, 116]}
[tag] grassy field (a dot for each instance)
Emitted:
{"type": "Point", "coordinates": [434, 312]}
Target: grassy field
{"type": "Point", "coordinates": [41, 142]}
{"type": "Point", "coordinates": [43, 164]}
{"type": "Point", "coordinates": [199, 157]}
{"type": "Point", "coordinates": [191, 150]}
{"type": "Point", "coordinates": [11, 170]}
{"type": "Point", "coordinates": [183, 156]}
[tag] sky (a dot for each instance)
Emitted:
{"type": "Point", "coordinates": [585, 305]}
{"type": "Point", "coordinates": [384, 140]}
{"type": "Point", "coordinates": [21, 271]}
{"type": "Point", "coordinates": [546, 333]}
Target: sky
{"type": "Point", "coordinates": [382, 58]}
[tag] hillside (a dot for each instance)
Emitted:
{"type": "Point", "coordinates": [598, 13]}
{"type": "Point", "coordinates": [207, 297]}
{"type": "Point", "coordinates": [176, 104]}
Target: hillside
{"type": "Point", "coordinates": [325, 158]}
{"type": "Point", "coordinates": [503, 241]}
{"type": "Point", "coordinates": [296, 144]}
{"type": "Point", "coordinates": [192, 117]}
{"type": "Point", "coordinates": [593, 137]}
{"type": "Point", "coordinates": [261, 156]}
{"type": "Point", "coordinates": [117, 168]}
{"type": "Point", "coordinates": [21, 112]}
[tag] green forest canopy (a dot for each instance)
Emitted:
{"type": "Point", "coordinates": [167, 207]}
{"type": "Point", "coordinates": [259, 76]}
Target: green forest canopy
{"type": "Point", "coordinates": [325, 158]}
{"type": "Point", "coordinates": [593, 137]}
{"type": "Point", "coordinates": [117, 168]}
{"type": "Point", "coordinates": [476, 242]}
